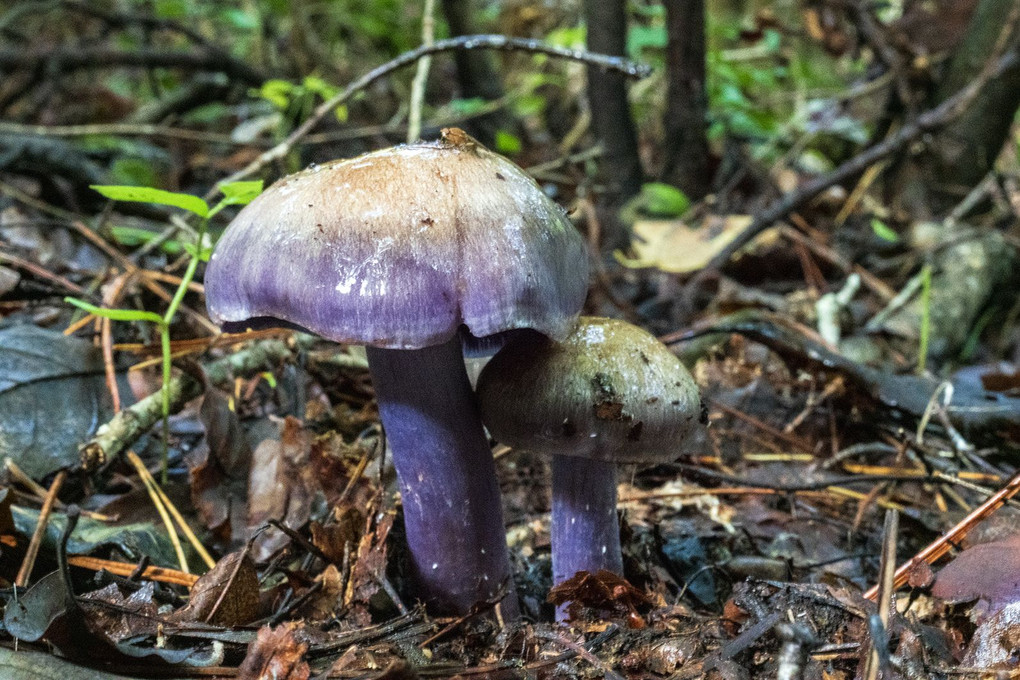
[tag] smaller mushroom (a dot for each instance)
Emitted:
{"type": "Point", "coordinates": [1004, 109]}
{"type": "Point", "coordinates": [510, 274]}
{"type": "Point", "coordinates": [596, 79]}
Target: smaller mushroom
{"type": "Point", "coordinates": [610, 393]}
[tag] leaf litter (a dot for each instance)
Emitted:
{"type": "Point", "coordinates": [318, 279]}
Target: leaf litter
{"type": "Point", "coordinates": [760, 541]}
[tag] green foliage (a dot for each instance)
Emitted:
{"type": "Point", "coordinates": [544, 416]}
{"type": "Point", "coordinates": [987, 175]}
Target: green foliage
{"type": "Point", "coordinates": [153, 196]}
{"type": "Point", "coordinates": [884, 231]}
{"type": "Point", "coordinates": [507, 142]}
{"type": "Point", "coordinates": [134, 171]}
{"type": "Point", "coordinates": [296, 100]}
{"type": "Point", "coordinates": [640, 38]}
{"type": "Point", "coordinates": [235, 193]}
{"type": "Point", "coordinates": [925, 331]}
{"type": "Point", "coordinates": [241, 193]}
{"type": "Point", "coordinates": [569, 37]}
{"type": "Point", "coordinates": [133, 236]}
{"type": "Point", "coordinates": [663, 200]}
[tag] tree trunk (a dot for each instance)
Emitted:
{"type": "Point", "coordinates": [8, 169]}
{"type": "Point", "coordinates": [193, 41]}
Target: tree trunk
{"type": "Point", "coordinates": [685, 146]}
{"type": "Point", "coordinates": [476, 74]}
{"type": "Point", "coordinates": [610, 112]}
{"type": "Point", "coordinates": [960, 155]}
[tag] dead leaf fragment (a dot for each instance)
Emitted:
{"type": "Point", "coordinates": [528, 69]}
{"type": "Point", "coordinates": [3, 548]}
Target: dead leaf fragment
{"type": "Point", "coordinates": [238, 605]}
{"type": "Point", "coordinates": [603, 591]}
{"type": "Point", "coordinates": [996, 642]}
{"type": "Point", "coordinates": [677, 247]}
{"type": "Point", "coordinates": [282, 485]}
{"type": "Point", "coordinates": [988, 572]}
{"type": "Point", "coordinates": [276, 654]}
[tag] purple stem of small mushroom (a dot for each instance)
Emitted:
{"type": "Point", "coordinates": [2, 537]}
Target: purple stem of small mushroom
{"type": "Point", "coordinates": [585, 531]}
{"type": "Point", "coordinates": [450, 494]}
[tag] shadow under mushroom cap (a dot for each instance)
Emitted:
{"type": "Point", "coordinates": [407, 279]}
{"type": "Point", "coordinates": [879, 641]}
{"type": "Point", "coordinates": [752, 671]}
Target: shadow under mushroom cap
{"type": "Point", "coordinates": [399, 249]}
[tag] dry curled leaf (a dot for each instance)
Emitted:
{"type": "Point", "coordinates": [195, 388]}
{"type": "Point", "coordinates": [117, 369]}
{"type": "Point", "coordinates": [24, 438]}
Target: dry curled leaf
{"type": "Point", "coordinates": [282, 485]}
{"type": "Point", "coordinates": [276, 654]}
{"type": "Point", "coordinates": [235, 574]}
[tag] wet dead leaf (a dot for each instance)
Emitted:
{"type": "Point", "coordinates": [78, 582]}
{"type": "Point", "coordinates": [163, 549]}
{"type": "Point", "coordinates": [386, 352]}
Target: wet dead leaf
{"type": "Point", "coordinates": [603, 591]}
{"type": "Point", "coordinates": [333, 539]}
{"type": "Point", "coordinates": [52, 397]}
{"type": "Point", "coordinates": [323, 605]}
{"type": "Point", "coordinates": [970, 576]}
{"type": "Point", "coordinates": [124, 617]}
{"type": "Point", "coordinates": [219, 471]}
{"type": "Point", "coordinates": [276, 654]}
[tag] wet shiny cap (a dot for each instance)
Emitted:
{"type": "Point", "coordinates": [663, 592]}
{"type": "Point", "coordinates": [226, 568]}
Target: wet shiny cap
{"type": "Point", "coordinates": [610, 392]}
{"type": "Point", "coordinates": [400, 248]}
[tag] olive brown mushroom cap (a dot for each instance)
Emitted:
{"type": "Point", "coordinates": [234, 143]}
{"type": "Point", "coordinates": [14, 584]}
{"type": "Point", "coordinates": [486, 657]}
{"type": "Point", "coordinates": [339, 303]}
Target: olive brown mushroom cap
{"type": "Point", "coordinates": [610, 391]}
{"type": "Point", "coordinates": [401, 248]}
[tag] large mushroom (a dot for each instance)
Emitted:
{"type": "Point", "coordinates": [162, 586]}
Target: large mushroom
{"type": "Point", "coordinates": [608, 394]}
{"type": "Point", "coordinates": [412, 250]}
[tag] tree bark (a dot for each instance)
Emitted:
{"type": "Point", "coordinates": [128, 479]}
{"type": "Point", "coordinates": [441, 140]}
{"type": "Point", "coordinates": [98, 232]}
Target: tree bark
{"type": "Point", "coordinates": [686, 147]}
{"type": "Point", "coordinates": [610, 112]}
{"type": "Point", "coordinates": [960, 156]}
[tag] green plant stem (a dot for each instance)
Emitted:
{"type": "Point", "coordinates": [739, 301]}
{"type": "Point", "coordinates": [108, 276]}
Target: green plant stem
{"type": "Point", "coordinates": [164, 341]}
{"type": "Point", "coordinates": [925, 331]}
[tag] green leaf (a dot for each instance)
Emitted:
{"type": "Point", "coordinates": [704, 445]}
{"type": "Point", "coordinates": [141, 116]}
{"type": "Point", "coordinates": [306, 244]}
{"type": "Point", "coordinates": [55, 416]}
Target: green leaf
{"type": "Point", "coordinates": [240, 19]}
{"type": "Point", "coordinates": [319, 86]}
{"type": "Point", "coordinates": [507, 142]}
{"type": "Point", "coordinates": [115, 314]}
{"type": "Point", "coordinates": [241, 193]}
{"type": "Point", "coordinates": [884, 231]}
{"type": "Point", "coordinates": [664, 200]}
{"type": "Point", "coordinates": [472, 105]}
{"type": "Point", "coordinates": [155, 196]}
{"type": "Point", "coordinates": [641, 37]}
{"type": "Point", "coordinates": [277, 92]}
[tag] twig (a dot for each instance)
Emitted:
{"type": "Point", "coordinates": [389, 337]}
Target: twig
{"type": "Point", "coordinates": [464, 42]}
{"type": "Point", "coordinates": [952, 538]}
{"type": "Point", "coordinates": [42, 273]}
{"type": "Point", "coordinates": [185, 528]}
{"type": "Point", "coordinates": [25, 572]}
{"type": "Point", "coordinates": [421, 75]}
{"type": "Point", "coordinates": [157, 502]}
{"type": "Point", "coordinates": [127, 426]}
{"type": "Point", "coordinates": [929, 121]}
{"type": "Point", "coordinates": [582, 652]}
{"type": "Point", "coordinates": [879, 657]}
{"type": "Point", "coordinates": [77, 58]}
{"type": "Point", "coordinates": [161, 574]}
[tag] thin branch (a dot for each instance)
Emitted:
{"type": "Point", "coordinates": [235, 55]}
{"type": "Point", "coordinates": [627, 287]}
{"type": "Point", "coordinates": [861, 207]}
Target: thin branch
{"type": "Point", "coordinates": [421, 76]}
{"type": "Point", "coordinates": [927, 122]}
{"type": "Point", "coordinates": [128, 425]}
{"type": "Point", "coordinates": [78, 58]}
{"type": "Point", "coordinates": [465, 42]}
{"type": "Point", "coordinates": [954, 536]}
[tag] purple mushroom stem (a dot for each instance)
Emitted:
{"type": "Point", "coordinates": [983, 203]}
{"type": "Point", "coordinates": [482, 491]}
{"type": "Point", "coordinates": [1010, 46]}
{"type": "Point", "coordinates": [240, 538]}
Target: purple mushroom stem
{"type": "Point", "coordinates": [585, 531]}
{"type": "Point", "coordinates": [450, 493]}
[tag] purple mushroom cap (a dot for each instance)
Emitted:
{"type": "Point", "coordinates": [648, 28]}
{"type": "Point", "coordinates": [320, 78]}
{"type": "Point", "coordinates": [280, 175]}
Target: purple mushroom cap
{"type": "Point", "coordinates": [406, 250]}
{"type": "Point", "coordinates": [400, 248]}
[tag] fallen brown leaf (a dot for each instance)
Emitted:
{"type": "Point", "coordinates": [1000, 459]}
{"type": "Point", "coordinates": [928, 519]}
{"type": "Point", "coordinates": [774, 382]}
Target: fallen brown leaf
{"type": "Point", "coordinates": [238, 605]}
{"type": "Point", "coordinates": [276, 654]}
